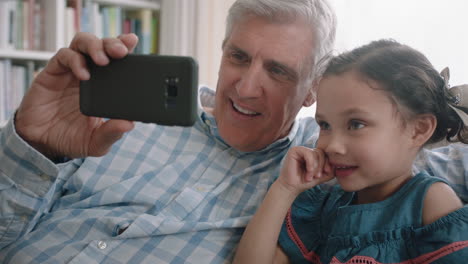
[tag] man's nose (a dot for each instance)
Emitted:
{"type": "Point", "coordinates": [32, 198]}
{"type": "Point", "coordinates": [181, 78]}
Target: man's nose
{"type": "Point", "coordinates": [250, 84]}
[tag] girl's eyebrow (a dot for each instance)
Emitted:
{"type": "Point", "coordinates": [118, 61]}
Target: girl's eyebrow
{"type": "Point", "coordinates": [350, 111]}
{"type": "Point", "coordinates": [355, 110]}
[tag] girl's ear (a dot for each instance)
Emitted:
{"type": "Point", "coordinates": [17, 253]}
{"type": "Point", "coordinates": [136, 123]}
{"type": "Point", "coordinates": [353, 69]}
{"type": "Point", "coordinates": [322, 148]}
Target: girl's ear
{"type": "Point", "coordinates": [423, 128]}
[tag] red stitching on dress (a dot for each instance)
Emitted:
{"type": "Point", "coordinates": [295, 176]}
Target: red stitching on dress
{"type": "Point", "coordinates": [357, 260]}
{"type": "Point", "coordinates": [309, 255]}
{"type": "Point", "coordinates": [423, 259]}
{"type": "Point", "coordinates": [435, 255]}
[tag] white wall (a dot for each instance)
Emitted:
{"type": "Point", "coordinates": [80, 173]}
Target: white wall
{"type": "Point", "coordinates": [211, 29]}
{"type": "Point", "coordinates": [439, 29]}
{"type": "Point", "coordinates": [195, 28]}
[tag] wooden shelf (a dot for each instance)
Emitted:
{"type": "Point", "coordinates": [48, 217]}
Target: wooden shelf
{"type": "Point", "coordinates": [25, 55]}
{"type": "Point", "coordinates": [137, 4]}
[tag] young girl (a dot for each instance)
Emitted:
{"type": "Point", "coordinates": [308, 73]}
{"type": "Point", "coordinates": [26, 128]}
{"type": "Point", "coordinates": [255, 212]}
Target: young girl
{"type": "Point", "coordinates": [377, 106]}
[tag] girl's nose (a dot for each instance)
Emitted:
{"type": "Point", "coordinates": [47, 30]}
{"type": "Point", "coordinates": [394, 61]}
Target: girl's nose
{"type": "Point", "coordinates": [333, 144]}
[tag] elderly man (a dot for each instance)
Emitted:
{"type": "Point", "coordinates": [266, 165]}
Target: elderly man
{"type": "Point", "coordinates": [160, 194]}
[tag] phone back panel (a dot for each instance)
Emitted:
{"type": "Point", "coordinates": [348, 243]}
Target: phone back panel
{"type": "Point", "coordinates": [148, 88]}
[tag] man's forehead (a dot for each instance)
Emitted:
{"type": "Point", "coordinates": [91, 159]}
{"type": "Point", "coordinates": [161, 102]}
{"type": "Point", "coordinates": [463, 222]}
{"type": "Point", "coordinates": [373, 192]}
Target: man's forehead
{"type": "Point", "coordinates": [285, 61]}
{"type": "Point", "coordinates": [271, 54]}
{"type": "Point", "coordinates": [289, 42]}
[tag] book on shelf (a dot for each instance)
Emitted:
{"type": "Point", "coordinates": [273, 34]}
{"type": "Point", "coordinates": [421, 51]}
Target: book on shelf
{"type": "Point", "coordinates": [32, 25]}
{"type": "Point", "coordinates": [106, 20]}
{"type": "Point", "coordinates": [29, 24]}
{"type": "Point", "coordinates": [73, 14]}
{"type": "Point", "coordinates": [22, 25]}
{"type": "Point", "coordinates": [15, 78]}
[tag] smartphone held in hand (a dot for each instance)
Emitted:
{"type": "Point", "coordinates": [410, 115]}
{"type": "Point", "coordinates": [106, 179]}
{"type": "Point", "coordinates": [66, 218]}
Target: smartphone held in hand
{"type": "Point", "coordinates": [147, 88]}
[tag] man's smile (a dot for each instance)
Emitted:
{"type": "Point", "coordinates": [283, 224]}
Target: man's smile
{"type": "Point", "coordinates": [244, 110]}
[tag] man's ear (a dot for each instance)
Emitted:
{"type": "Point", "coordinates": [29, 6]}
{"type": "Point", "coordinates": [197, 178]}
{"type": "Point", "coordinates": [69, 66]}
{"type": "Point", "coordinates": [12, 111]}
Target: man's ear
{"type": "Point", "coordinates": [423, 128]}
{"type": "Point", "coordinates": [310, 99]}
{"type": "Point", "coordinates": [310, 96]}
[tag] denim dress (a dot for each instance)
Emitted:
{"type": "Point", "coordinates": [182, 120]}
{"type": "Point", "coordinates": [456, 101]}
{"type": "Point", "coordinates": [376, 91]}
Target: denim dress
{"type": "Point", "coordinates": [325, 227]}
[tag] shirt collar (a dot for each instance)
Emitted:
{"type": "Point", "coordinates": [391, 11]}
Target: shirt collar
{"type": "Point", "coordinates": [206, 99]}
{"type": "Point", "coordinates": [208, 122]}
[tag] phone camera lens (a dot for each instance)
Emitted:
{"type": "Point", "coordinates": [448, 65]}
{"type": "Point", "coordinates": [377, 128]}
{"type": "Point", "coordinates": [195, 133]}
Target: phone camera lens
{"type": "Point", "coordinates": [172, 80]}
{"type": "Point", "coordinates": [171, 86]}
{"type": "Point", "coordinates": [171, 90]}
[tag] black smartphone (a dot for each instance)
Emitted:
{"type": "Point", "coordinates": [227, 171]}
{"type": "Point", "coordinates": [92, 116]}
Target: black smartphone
{"type": "Point", "coordinates": [147, 88]}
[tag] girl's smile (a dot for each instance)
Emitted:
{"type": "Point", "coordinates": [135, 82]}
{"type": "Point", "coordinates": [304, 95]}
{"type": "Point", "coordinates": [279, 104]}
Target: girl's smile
{"type": "Point", "coordinates": [341, 171]}
{"type": "Point", "coordinates": [359, 125]}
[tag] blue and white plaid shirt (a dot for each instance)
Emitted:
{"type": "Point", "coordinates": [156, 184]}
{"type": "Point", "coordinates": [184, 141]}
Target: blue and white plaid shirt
{"type": "Point", "coordinates": [162, 195]}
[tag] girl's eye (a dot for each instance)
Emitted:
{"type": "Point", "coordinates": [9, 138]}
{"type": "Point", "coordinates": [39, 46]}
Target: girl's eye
{"type": "Point", "coordinates": [323, 125]}
{"type": "Point", "coordinates": [354, 125]}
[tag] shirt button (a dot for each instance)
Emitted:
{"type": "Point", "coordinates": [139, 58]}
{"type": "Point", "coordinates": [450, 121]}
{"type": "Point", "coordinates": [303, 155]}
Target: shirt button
{"type": "Point", "coordinates": [45, 177]}
{"type": "Point", "coordinates": [200, 189]}
{"type": "Point", "coordinates": [101, 245]}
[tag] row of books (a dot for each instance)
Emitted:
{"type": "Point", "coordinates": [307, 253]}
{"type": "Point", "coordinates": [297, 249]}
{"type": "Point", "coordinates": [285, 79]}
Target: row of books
{"type": "Point", "coordinates": [111, 21]}
{"type": "Point", "coordinates": [22, 25]}
{"type": "Point", "coordinates": [15, 78]}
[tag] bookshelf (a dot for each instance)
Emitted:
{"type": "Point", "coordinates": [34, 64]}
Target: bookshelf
{"type": "Point", "coordinates": [25, 55]}
{"type": "Point", "coordinates": [155, 5]}
{"type": "Point", "coordinates": [31, 31]}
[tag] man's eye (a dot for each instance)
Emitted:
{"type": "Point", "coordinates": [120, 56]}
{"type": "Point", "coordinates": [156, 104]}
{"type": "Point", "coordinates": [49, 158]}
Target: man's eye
{"type": "Point", "coordinates": [354, 125]}
{"type": "Point", "coordinates": [237, 57]}
{"type": "Point", "coordinates": [278, 71]}
{"type": "Point", "coordinates": [324, 125]}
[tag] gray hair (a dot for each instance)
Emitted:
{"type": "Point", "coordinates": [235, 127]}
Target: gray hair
{"type": "Point", "coordinates": [317, 13]}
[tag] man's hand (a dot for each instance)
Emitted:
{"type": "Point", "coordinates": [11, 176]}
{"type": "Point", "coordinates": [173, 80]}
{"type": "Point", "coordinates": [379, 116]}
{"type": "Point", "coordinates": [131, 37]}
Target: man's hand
{"type": "Point", "coordinates": [303, 169]}
{"type": "Point", "coordinates": [49, 118]}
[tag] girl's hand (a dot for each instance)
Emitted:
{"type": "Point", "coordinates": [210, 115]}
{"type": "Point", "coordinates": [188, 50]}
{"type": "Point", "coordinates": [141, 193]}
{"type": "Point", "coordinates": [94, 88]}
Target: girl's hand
{"type": "Point", "coordinates": [304, 168]}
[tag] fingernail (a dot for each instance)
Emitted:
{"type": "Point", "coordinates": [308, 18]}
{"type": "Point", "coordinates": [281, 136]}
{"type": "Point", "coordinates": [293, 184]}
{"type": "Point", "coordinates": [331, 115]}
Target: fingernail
{"type": "Point", "coordinates": [84, 74]}
{"type": "Point", "coordinates": [119, 46]}
{"type": "Point", "coordinates": [102, 57]}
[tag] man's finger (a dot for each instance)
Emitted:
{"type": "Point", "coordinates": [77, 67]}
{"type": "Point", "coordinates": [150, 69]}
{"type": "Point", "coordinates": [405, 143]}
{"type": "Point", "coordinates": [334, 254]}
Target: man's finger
{"type": "Point", "coordinates": [87, 43]}
{"type": "Point", "coordinates": [64, 61]}
{"type": "Point", "coordinates": [107, 134]}
{"type": "Point", "coordinates": [115, 48]}
{"type": "Point", "coordinates": [129, 40]}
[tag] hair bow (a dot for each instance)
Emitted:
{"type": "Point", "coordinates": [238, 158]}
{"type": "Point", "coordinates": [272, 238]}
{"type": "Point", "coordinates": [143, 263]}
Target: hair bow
{"type": "Point", "coordinates": [458, 99]}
